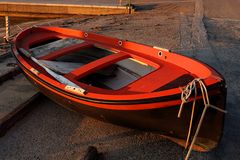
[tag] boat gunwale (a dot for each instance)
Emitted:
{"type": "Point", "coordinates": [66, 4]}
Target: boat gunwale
{"type": "Point", "coordinates": [136, 98]}
{"type": "Point", "coordinates": [170, 98]}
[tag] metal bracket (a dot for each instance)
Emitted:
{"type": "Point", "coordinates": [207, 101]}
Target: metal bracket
{"type": "Point", "coordinates": [36, 72]}
{"type": "Point", "coordinates": [75, 90]}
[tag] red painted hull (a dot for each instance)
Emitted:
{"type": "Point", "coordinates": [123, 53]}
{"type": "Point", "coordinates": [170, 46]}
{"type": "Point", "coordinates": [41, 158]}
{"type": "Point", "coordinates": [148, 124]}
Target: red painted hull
{"type": "Point", "coordinates": [148, 103]}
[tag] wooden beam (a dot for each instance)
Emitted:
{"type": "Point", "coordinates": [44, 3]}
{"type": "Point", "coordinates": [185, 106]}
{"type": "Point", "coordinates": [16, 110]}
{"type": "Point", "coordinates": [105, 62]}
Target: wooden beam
{"type": "Point", "coordinates": [65, 51]}
{"type": "Point", "coordinates": [18, 113]}
{"type": "Point", "coordinates": [10, 74]}
{"type": "Point", "coordinates": [42, 10]}
{"type": "Point", "coordinates": [96, 65]}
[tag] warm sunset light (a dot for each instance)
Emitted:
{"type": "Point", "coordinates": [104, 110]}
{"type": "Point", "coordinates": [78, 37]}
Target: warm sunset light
{"type": "Point", "coordinates": [119, 79]}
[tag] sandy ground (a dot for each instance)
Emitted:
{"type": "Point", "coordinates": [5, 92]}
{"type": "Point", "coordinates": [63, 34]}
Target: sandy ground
{"type": "Point", "coordinates": [52, 132]}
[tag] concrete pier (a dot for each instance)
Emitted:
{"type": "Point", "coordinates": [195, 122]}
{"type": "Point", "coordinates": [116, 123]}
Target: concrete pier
{"type": "Point", "coordinates": [36, 9]}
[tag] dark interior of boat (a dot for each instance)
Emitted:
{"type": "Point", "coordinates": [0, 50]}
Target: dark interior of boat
{"type": "Point", "coordinates": [113, 76]}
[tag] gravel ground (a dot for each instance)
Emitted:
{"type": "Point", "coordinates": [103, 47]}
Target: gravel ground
{"type": "Point", "coordinates": [52, 132]}
{"type": "Point", "coordinates": [222, 23]}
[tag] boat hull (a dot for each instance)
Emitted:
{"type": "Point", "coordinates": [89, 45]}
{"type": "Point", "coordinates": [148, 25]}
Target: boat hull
{"type": "Point", "coordinates": [151, 102]}
{"type": "Point", "coordinates": [161, 120]}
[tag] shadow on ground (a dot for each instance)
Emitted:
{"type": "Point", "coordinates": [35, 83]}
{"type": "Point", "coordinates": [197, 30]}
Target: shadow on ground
{"type": "Point", "coordinates": [140, 8]}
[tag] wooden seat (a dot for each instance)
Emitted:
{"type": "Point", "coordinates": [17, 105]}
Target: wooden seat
{"type": "Point", "coordinates": [45, 49]}
{"type": "Point", "coordinates": [61, 67]}
{"type": "Point", "coordinates": [96, 65]}
{"type": "Point", "coordinates": [65, 51]}
{"type": "Point", "coordinates": [160, 77]}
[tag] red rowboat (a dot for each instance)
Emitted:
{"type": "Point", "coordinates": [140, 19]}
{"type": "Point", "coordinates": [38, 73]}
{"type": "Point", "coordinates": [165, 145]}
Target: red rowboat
{"type": "Point", "coordinates": [125, 83]}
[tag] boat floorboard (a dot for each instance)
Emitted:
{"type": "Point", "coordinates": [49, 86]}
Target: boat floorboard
{"type": "Point", "coordinates": [45, 49]}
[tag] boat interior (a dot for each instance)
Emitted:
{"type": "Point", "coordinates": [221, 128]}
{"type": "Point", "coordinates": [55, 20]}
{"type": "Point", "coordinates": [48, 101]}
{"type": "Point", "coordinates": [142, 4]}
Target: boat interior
{"type": "Point", "coordinates": [105, 69]}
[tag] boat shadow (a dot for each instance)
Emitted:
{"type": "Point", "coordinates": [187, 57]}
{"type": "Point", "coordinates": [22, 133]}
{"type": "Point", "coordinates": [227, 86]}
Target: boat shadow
{"type": "Point", "coordinates": [135, 144]}
{"type": "Point", "coordinates": [228, 147]}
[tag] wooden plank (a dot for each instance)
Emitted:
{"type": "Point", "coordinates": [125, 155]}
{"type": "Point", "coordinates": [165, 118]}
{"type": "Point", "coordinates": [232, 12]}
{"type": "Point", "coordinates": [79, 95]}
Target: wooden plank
{"type": "Point", "coordinates": [167, 73]}
{"type": "Point", "coordinates": [136, 67]}
{"type": "Point", "coordinates": [8, 68]}
{"type": "Point", "coordinates": [66, 50]}
{"type": "Point", "coordinates": [125, 71]}
{"type": "Point", "coordinates": [14, 93]}
{"type": "Point", "coordinates": [47, 10]}
{"type": "Point", "coordinates": [96, 65]}
{"type": "Point", "coordinates": [45, 49]}
{"type": "Point", "coordinates": [121, 79]}
{"type": "Point", "coordinates": [18, 113]}
{"type": "Point", "coordinates": [8, 75]}
{"type": "Point", "coordinates": [61, 67]}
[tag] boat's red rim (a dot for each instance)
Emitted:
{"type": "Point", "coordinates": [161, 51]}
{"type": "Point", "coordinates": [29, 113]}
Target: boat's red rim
{"type": "Point", "coordinates": [141, 97]}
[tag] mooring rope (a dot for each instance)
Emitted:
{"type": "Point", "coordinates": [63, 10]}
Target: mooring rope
{"type": "Point", "coordinates": [186, 93]}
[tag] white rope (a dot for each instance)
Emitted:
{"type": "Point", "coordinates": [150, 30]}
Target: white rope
{"type": "Point", "coordinates": [19, 27]}
{"type": "Point", "coordinates": [186, 93]}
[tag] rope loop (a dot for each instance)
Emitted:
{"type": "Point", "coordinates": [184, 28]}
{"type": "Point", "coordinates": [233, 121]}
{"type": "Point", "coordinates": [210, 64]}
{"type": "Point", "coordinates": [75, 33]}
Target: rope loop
{"type": "Point", "coordinates": [185, 96]}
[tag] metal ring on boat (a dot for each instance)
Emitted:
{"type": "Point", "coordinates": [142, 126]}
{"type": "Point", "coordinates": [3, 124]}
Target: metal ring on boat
{"type": "Point", "coordinates": [160, 53]}
{"type": "Point", "coordinates": [85, 34]}
{"type": "Point", "coordinates": [120, 43]}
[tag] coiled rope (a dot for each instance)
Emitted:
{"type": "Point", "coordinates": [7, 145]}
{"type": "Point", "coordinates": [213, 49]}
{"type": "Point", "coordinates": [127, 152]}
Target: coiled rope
{"type": "Point", "coordinates": [186, 93]}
